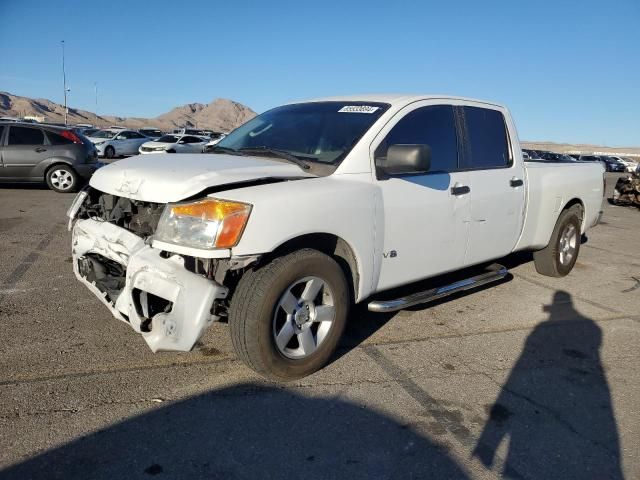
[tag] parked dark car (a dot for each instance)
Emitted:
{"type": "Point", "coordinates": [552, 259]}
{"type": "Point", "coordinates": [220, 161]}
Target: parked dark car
{"type": "Point", "coordinates": [61, 157]}
{"type": "Point", "coordinates": [532, 154]}
{"type": "Point", "coordinates": [557, 157]}
{"type": "Point", "coordinates": [613, 165]}
{"type": "Point", "coordinates": [589, 158]}
{"type": "Point", "coordinates": [151, 132]}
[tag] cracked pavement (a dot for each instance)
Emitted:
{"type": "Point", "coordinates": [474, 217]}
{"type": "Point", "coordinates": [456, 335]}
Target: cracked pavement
{"type": "Point", "coordinates": [534, 377]}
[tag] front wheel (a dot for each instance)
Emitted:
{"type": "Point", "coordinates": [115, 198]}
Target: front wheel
{"type": "Point", "coordinates": [109, 152]}
{"type": "Point", "coordinates": [287, 317]}
{"type": "Point", "coordinates": [559, 257]}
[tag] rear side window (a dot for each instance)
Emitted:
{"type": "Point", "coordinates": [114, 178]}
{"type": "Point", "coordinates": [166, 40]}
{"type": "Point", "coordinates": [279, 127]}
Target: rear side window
{"type": "Point", "coordinates": [487, 145]}
{"type": "Point", "coordinates": [25, 136]}
{"type": "Point", "coordinates": [191, 140]}
{"type": "Point", "coordinates": [55, 139]}
{"type": "Point", "coordinates": [433, 126]}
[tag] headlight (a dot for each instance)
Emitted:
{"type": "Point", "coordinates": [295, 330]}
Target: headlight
{"type": "Point", "coordinates": [157, 149]}
{"type": "Point", "coordinates": [208, 223]}
{"type": "Point", "coordinates": [99, 143]}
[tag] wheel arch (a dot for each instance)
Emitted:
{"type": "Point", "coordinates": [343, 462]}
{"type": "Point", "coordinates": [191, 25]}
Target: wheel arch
{"type": "Point", "coordinates": [329, 244]}
{"type": "Point", "coordinates": [572, 203]}
{"type": "Point", "coordinates": [53, 162]}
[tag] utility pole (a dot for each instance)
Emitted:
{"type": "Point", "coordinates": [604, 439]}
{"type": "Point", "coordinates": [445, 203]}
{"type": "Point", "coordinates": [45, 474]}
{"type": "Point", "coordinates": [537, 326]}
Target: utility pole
{"type": "Point", "coordinates": [95, 86]}
{"type": "Point", "coordinates": [64, 85]}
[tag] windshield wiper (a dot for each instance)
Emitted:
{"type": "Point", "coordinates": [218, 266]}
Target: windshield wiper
{"type": "Point", "coordinates": [275, 152]}
{"type": "Point", "coordinates": [219, 149]}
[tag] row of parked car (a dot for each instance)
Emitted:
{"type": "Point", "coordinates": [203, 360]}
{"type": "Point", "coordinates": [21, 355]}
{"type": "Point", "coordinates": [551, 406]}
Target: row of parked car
{"type": "Point", "coordinates": [66, 157]}
{"type": "Point", "coordinates": [118, 141]}
{"type": "Point", "coordinates": [611, 163]}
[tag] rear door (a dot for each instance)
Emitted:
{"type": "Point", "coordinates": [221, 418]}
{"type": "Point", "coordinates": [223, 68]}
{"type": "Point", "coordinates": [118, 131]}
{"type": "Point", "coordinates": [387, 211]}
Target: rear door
{"type": "Point", "coordinates": [496, 180]}
{"type": "Point", "coordinates": [135, 141]}
{"type": "Point", "coordinates": [192, 144]}
{"type": "Point", "coordinates": [24, 149]}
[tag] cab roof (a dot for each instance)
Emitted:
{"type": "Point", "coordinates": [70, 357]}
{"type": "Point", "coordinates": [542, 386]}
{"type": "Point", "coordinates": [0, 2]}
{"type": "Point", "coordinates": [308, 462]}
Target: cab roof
{"type": "Point", "coordinates": [393, 98]}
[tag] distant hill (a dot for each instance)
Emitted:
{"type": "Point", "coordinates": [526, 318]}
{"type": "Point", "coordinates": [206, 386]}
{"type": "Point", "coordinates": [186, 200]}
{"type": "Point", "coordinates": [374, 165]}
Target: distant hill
{"type": "Point", "coordinates": [583, 149]}
{"type": "Point", "coordinates": [219, 115]}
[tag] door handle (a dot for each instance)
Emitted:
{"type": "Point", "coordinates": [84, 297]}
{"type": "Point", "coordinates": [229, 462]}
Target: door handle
{"type": "Point", "coordinates": [516, 182]}
{"type": "Point", "coordinates": [460, 190]}
{"type": "Point", "coordinates": [41, 149]}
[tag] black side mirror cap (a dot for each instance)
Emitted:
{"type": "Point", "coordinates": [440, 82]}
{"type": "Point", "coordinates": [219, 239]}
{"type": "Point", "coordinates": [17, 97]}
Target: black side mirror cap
{"type": "Point", "coordinates": [404, 159]}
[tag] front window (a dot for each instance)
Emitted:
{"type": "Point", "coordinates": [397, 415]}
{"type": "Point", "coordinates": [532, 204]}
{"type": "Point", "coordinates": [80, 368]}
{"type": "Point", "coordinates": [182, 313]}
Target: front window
{"type": "Point", "coordinates": [317, 131]}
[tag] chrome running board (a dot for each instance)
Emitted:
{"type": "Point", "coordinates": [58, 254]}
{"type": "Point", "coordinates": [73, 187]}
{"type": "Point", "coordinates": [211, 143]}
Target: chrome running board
{"type": "Point", "coordinates": [494, 273]}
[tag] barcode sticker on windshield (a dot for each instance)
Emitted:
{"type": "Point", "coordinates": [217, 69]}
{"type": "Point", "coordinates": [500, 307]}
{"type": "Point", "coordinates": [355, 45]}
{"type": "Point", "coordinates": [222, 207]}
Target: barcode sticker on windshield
{"type": "Point", "coordinates": [358, 109]}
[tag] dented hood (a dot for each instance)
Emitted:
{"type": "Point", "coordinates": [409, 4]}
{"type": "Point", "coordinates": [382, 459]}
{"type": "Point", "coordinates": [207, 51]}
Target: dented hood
{"type": "Point", "coordinates": [166, 177]}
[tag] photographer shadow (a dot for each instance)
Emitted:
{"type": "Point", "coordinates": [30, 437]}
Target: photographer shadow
{"type": "Point", "coordinates": [555, 406]}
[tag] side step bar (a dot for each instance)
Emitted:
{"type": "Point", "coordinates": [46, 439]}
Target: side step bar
{"type": "Point", "coordinates": [494, 273]}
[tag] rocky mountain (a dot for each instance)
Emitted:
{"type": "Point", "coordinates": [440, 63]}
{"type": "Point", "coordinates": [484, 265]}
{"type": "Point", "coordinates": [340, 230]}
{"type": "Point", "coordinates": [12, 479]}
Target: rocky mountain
{"type": "Point", "coordinates": [219, 115]}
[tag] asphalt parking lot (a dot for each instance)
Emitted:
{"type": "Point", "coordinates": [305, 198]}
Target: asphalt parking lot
{"type": "Point", "coordinates": [532, 378]}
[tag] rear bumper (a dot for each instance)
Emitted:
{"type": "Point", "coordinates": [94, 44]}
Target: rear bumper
{"type": "Point", "coordinates": [85, 170]}
{"type": "Point", "coordinates": [186, 297]}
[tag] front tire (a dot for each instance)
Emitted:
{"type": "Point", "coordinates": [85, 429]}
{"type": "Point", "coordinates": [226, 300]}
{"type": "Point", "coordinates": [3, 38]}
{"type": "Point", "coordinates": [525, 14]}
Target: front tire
{"type": "Point", "coordinates": [62, 179]}
{"type": "Point", "coordinates": [558, 258]}
{"type": "Point", "coordinates": [287, 317]}
{"type": "Point", "coordinates": [109, 152]}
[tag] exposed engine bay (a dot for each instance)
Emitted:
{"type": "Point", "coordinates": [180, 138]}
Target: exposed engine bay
{"type": "Point", "coordinates": [146, 286]}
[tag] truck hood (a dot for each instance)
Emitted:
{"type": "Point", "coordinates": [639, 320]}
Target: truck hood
{"type": "Point", "coordinates": [165, 177]}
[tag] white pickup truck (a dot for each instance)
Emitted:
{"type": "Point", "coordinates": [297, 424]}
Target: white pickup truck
{"type": "Point", "coordinates": [311, 207]}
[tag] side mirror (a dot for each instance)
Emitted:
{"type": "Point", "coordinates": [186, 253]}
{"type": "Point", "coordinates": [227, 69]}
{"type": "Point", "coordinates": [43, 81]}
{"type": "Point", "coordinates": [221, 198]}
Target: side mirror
{"type": "Point", "coordinates": [406, 159]}
{"type": "Point", "coordinates": [180, 141]}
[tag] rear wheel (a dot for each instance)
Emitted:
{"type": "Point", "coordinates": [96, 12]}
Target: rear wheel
{"type": "Point", "coordinates": [559, 257]}
{"type": "Point", "coordinates": [109, 152]}
{"type": "Point", "coordinates": [62, 178]}
{"type": "Point", "coordinates": [287, 317]}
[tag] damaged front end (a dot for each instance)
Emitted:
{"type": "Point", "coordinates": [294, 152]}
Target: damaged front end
{"type": "Point", "coordinates": [167, 297]}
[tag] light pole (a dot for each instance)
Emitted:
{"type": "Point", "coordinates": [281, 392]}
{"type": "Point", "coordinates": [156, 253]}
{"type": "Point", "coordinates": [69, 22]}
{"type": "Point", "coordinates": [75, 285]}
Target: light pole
{"type": "Point", "coordinates": [64, 85]}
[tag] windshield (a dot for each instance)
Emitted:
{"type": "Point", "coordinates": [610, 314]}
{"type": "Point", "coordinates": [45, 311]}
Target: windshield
{"type": "Point", "coordinates": [104, 134]}
{"type": "Point", "coordinates": [168, 139]}
{"type": "Point", "coordinates": [319, 131]}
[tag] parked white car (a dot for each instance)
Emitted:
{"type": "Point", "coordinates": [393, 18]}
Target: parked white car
{"type": "Point", "coordinates": [214, 140]}
{"type": "Point", "coordinates": [630, 165]}
{"type": "Point", "coordinates": [311, 207]}
{"type": "Point", "coordinates": [112, 143]}
{"type": "Point", "coordinates": [174, 144]}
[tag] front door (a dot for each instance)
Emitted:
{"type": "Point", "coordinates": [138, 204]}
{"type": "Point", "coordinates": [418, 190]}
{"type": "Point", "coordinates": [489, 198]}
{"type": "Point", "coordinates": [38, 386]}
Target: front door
{"type": "Point", "coordinates": [425, 217]}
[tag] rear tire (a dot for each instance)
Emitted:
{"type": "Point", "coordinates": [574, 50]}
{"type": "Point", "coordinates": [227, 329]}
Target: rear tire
{"type": "Point", "coordinates": [62, 179]}
{"type": "Point", "coordinates": [559, 257]}
{"type": "Point", "coordinates": [287, 317]}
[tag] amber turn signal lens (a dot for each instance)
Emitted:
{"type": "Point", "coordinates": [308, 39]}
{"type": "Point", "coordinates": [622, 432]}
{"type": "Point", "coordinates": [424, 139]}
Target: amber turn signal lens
{"type": "Point", "coordinates": [230, 218]}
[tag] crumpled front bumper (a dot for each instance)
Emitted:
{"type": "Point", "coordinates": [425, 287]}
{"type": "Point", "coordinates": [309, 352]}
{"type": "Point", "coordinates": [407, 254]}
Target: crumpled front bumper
{"type": "Point", "coordinates": [147, 274]}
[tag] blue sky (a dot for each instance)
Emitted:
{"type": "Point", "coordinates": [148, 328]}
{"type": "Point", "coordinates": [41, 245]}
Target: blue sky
{"type": "Point", "coordinates": [568, 70]}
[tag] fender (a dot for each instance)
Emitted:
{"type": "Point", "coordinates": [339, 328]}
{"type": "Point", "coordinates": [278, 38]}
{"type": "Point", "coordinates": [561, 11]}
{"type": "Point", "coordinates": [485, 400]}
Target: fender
{"type": "Point", "coordinates": [284, 211]}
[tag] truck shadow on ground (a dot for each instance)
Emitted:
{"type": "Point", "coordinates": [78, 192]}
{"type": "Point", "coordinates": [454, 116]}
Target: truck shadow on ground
{"type": "Point", "coordinates": [248, 431]}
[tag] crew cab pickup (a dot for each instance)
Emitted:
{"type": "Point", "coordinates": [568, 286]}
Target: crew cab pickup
{"type": "Point", "coordinates": [313, 206]}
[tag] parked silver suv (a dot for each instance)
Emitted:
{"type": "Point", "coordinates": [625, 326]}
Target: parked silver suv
{"type": "Point", "coordinates": [64, 159]}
